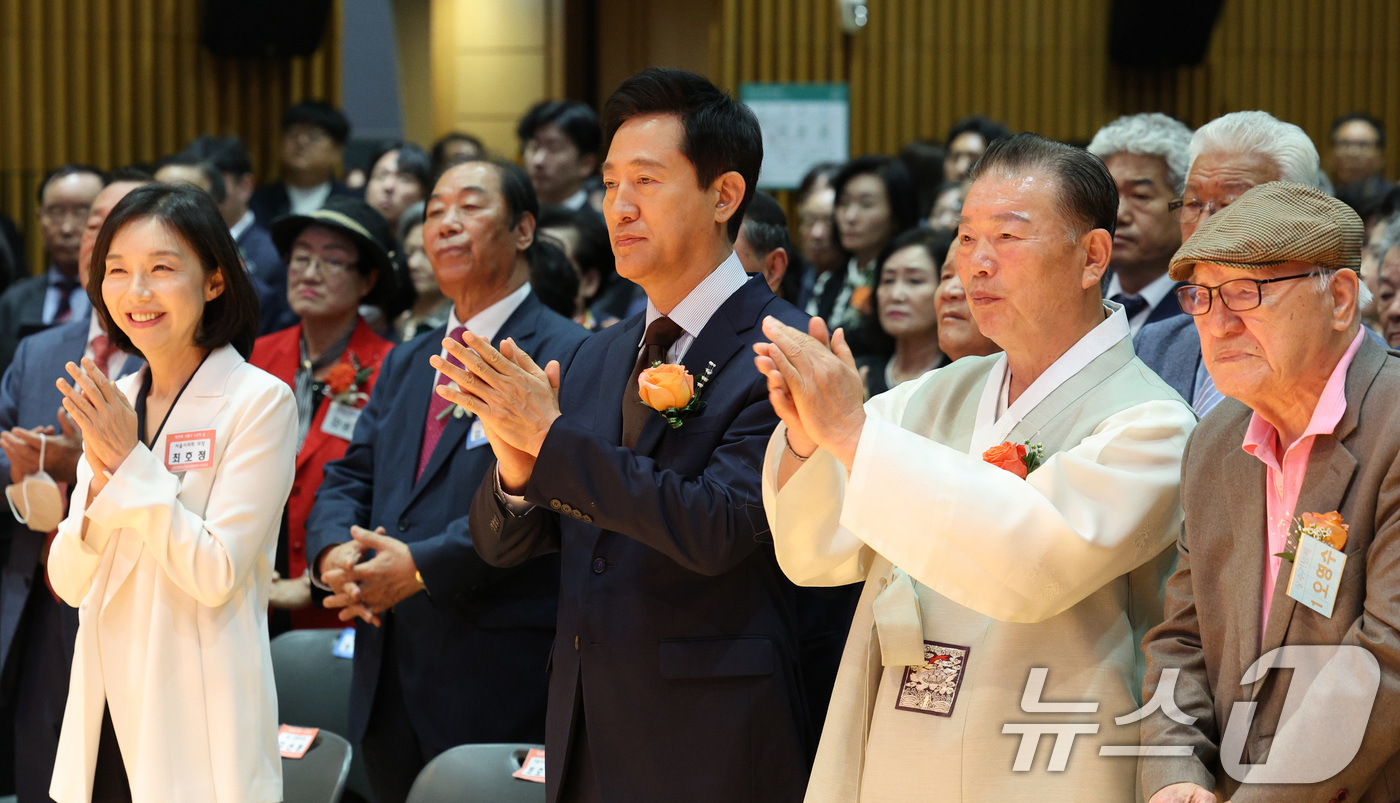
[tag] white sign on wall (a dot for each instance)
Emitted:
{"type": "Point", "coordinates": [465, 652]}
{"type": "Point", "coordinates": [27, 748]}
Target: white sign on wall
{"type": "Point", "coordinates": [803, 124]}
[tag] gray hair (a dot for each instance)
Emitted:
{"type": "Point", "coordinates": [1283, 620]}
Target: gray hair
{"type": "Point", "coordinates": [409, 218]}
{"type": "Point", "coordinates": [1264, 134]}
{"type": "Point", "coordinates": [1151, 134]}
{"type": "Point", "coordinates": [1323, 280]}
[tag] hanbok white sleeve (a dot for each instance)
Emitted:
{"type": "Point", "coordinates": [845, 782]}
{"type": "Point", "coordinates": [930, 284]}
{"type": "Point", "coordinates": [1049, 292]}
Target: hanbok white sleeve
{"type": "Point", "coordinates": [1019, 550]}
{"type": "Point", "coordinates": [813, 547]}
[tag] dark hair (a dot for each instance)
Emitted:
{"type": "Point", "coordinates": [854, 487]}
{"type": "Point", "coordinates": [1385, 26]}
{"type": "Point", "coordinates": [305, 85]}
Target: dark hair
{"type": "Point", "coordinates": [129, 173]}
{"type": "Point", "coordinates": [935, 243]}
{"type": "Point", "coordinates": [320, 114]}
{"type": "Point", "coordinates": [720, 133]}
{"type": "Point", "coordinates": [765, 225]}
{"type": "Point", "coordinates": [593, 251]}
{"type": "Point", "coordinates": [516, 187]}
{"type": "Point", "coordinates": [578, 122]}
{"type": "Point", "coordinates": [899, 187]}
{"type": "Point", "coordinates": [924, 158]}
{"type": "Point", "coordinates": [1369, 197]}
{"type": "Point", "coordinates": [232, 317]}
{"type": "Point", "coordinates": [821, 171]}
{"type": "Point", "coordinates": [439, 152]}
{"type": "Point", "coordinates": [413, 160]}
{"type": "Point", "coordinates": [63, 171]}
{"type": "Point", "coordinates": [1363, 117]}
{"type": "Point", "coordinates": [989, 129]}
{"type": "Point", "coordinates": [227, 154]}
{"type": "Point", "coordinates": [1088, 198]}
{"type": "Point", "coordinates": [553, 278]}
{"type": "Point", "coordinates": [218, 190]}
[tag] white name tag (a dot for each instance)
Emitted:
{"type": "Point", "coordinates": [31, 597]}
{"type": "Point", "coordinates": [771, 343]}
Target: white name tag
{"type": "Point", "coordinates": [1317, 571]}
{"type": "Point", "coordinates": [185, 451]}
{"type": "Point", "coordinates": [340, 420]}
{"type": "Point", "coordinates": [476, 436]}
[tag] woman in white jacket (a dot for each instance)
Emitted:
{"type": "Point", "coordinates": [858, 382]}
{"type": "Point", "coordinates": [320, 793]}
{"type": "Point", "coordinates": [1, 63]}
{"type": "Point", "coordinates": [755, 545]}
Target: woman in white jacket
{"type": "Point", "coordinates": [168, 549]}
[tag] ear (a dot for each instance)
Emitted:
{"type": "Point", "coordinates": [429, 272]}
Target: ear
{"type": "Point", "coordinates": [369, 280]}
{"type": "Point", "coordinates": [729, 193]}
{"type": "Point", "coordinates": [214, 285]}
{"type": "Point", "coordinates": [524, 232]}
{"type": "Point", "coordinates": [587, 165]}
{"type": "Point", "coordinates": [775, 266]}
{"type": "Point", "coordinates": [1098, 248]}
{"type": "Point", "coordinates": [589, 282]}
{"type": "Point", "coordinates": [244, 187]}
{"type": "Point", "coordinates": [1345, 289]}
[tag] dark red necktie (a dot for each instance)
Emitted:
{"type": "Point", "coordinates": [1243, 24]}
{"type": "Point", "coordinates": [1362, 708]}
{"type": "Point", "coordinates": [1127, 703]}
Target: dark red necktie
{"type": "Point", "coordinates": [437, 415]}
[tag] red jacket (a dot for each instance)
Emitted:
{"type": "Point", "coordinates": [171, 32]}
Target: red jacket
{"type": "Point", "coordinates": [278, 354]}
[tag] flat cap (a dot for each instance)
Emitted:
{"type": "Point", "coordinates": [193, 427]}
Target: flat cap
{"type": "Point", "coordinates": [1272, 224]}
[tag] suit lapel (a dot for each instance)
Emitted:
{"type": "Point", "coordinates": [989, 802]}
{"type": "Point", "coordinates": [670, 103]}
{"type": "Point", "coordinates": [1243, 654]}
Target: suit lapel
{"type": "Point", "coordinates": [1331, 467]}
{"type": "Point", "coordinates": [717, 344]}
{"type": "Point", "coordinates": [616, 371]}
{"type": "Point", "coordinates": [520, 326]}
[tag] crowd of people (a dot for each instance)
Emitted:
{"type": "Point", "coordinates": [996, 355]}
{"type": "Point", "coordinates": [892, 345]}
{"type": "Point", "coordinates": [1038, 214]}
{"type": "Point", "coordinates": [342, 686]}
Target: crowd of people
{"type": "Point", "coordinates": [929, 443]}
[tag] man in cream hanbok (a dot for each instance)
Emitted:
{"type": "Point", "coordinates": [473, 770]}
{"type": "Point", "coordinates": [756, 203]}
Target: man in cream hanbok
{"type": "Point", "coordinates": [998, 606]}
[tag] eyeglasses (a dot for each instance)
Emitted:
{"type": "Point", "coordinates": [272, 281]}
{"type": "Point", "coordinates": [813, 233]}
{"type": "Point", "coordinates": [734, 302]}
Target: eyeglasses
{"type": "Point", "coordinates": [1355, 145]}
{"type": "Point", "coordinates": [1240, 295]}
{"type": "Point", "coordinates": [331, 267]}
{"type": "Point", "coordinates": [1190, 210]}
{"type": "Point", "coordinates": [57, 214]}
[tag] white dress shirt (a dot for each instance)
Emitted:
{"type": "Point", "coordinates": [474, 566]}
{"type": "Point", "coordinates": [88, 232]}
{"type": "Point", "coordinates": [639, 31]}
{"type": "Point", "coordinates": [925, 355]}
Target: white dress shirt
{"type": "Point", "coordinates": [306, 201]}
{"type": "Point", "coordinates": [115, 360]}
{"type": "Point", "coordinates": [696, 309]}
{"type": "Point", "coordinates": [1154, 294]}
{"type": "Point", "coordinates": [487, 323]}
{"type": "Point", "coordinates": [77, 300]}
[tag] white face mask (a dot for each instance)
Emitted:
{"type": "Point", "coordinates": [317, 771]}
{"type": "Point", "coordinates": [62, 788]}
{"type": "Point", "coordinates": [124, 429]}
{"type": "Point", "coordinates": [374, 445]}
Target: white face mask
{"type": "Point", "coordinates": [36, 500]}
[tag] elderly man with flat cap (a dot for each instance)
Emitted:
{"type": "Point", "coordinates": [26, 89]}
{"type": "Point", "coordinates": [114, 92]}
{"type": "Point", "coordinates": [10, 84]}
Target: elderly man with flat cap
{"type": "Point", "coordinates": [1291, 490]}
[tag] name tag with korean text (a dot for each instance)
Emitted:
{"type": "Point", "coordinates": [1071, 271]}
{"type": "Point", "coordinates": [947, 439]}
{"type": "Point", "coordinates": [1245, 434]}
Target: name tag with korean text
{"type": "Point", "coordinates": [293, 742]}
{"type": "Point", "coordinates": [185, 451]}
{"type": "Point", "coordinates": [476, 436]}
{"type": "Point", "coordinates": [340, 420]}
{"type": "Point", "coordinates": [532, 768]}
{"type": "Point", "coordinates": [1317, 571]}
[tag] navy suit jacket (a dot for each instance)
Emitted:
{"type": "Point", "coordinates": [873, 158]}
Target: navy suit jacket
{"type": "Point", "coordinates": [21, 314]}
{"type": "Point", "coordinates": [270, 201]}
{"type": "Point", "coordinates": [472, 651]}
{"type": "Point", "coordinates": [675, 621]}
{"type": "Point", "coordinates": [29, 398]}
{"type": "Point", "coordinates": [1172, 348]}
{"type": "Point", "coordinates": [270, 274]}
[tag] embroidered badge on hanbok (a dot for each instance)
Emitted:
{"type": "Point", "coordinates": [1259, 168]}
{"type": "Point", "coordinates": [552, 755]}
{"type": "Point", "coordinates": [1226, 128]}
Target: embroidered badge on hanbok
{"type": "Point", "coordinates": [932, 688]}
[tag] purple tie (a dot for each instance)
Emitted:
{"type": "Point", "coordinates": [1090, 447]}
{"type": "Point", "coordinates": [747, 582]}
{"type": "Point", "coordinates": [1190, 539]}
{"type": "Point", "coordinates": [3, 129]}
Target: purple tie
{"type": "Point", "coordinates": [437, 419]}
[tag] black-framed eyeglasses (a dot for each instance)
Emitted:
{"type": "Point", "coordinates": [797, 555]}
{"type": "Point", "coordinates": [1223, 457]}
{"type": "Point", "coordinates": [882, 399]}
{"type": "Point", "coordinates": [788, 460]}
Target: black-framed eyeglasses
{"type": "Point", "coordinates": [1240, 295]}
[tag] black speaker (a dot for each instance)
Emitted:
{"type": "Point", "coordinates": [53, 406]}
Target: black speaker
{"type": "Point", "coordinates": [254, 28]}
{"type": "Point", "coordinates": [1152, 35]}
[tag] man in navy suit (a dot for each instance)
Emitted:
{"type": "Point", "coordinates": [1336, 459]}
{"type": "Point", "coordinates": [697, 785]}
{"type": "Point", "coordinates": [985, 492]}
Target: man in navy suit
{"type": "Point", "coordinates": [1147, 155]}
{"type": "Point", "coordinates": [451, 651]}
{"type": "Point", "coordinates": [675, 672]}
{"type": "Point", "coordinates": [36, 629]}
{"type": "Point", "coordinates": [313, 146]}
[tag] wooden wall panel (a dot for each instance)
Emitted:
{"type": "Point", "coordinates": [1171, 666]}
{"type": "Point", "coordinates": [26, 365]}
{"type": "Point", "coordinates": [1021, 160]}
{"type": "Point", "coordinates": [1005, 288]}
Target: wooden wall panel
{"type": "Point", "coordinates": [117, 82]}
{"type": "Point", "coordinates": [1043, 65]}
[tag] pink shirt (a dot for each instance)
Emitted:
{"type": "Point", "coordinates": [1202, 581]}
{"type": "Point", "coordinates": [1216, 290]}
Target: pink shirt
{"type": "Point", "coordinates": [1285, 477]}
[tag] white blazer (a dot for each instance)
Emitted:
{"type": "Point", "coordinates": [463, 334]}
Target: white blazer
{"type": "Point", "coordinates": [171, 583]}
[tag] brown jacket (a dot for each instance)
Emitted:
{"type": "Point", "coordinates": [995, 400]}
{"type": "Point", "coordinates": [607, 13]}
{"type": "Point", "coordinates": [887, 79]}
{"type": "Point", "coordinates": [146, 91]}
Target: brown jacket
{"type": "Point", "coordinates": [1211, 629]}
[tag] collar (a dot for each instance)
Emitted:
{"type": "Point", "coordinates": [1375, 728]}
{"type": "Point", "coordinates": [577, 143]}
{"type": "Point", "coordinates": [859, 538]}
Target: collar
{"type": "Point", "coordinates": [1261, 438]}
{"type": "Point", "coordinates": [244, 223]}
{"type": "Point", "coordinates": [1153, 293]}
{"type": "Point", "coordinates": [94, 328]}
{"type": "Point", "coordinates": [992, 429]}
{"type": "Point", "coordinates": [696, 309]}
{"type": "Point", "coordinates": [55, 276]}
{"type": "Point", "coordinates": [308, 200]}
{"type": "Point", "coordinates": [576, 201]}
{"type": "Point", "coordinates": [487, 323]}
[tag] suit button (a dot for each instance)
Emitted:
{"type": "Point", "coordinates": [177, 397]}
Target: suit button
{"type": "Point", "coordinates": [565, 509]}
{"type": "Point", "coordinates": [599, 565]}
{"type": "Point", "coordinates": [495, 523]}
{"type": "Point", "coordinates": [577, 514]}
{"type": "Point", "coordinates": [575, 643]}
{"type": "Point", "coordinates": [403, 528]}
{"type": "Point", "coordinates": [554, 503]}
{"type": "Point", "coordinates": [587, 519]}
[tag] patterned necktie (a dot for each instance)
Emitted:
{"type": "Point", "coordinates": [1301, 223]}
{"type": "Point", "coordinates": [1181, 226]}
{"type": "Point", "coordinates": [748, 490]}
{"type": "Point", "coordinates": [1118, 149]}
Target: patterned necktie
{"type": "Point", "coordinates": [437, 412]}
{"type": "Point", "coordinates": [65, 300]}
{"type": "Point", "coordinates": [1132, 304]}
{"type": "Point", "coordinates": [102, 350]}
{"type": "Point", "coordinates": [661, 335]}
